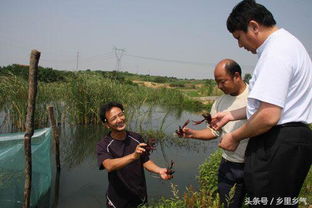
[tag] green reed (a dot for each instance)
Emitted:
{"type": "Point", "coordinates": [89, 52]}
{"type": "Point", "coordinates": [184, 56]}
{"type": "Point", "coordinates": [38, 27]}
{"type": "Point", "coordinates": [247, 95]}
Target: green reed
{"type": "Point", "coordinates": [77, 99]}
{"type": "Point", "coordinates": [14, 99]}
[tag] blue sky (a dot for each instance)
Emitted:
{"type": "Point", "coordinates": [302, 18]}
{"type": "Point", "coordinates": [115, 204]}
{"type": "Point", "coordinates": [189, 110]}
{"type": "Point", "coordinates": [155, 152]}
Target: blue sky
{"type": "Point", "coordinates": [180, 38]}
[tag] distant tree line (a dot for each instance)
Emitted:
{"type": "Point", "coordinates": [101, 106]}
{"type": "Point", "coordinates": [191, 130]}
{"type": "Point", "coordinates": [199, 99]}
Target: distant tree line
{"type": "Point", "coordinates": [52, 75]}
{"type": "Point", "coordinates": [48, 75]}
{"type": "Point", "coordinates": [44, 74]}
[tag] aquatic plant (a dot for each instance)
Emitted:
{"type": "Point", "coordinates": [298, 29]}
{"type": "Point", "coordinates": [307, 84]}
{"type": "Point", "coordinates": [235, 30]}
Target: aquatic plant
{"type": "Point", "coordinates": [77, 99]}
{"type": "Point", "coordinates": [205, 197]}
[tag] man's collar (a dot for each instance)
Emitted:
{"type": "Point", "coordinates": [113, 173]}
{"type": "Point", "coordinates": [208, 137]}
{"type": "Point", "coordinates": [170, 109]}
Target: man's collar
{"type": "Point", "coordinates": [261, 48]}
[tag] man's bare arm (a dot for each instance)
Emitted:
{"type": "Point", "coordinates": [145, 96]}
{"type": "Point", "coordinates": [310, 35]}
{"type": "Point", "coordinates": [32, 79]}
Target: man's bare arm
{"type": "Point", "coordinates": [222, 118]}
{"type": "Point", "coordinates": [203, 134]}
{"type": "Point", "coordinates": [263, 120]}
{"type": "Point", "coordinates": [152, 167]}
{"type": "Point", "coordinates": [118, 163]}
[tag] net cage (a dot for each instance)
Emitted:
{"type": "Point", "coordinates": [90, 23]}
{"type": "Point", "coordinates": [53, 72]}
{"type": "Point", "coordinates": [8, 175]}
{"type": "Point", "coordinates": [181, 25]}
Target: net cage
{"type": "Point", "coordinates": [12, 163]}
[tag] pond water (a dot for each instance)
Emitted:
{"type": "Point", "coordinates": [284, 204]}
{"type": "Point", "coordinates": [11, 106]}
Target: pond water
{"type": "Point", "coordinates": [82, 184]}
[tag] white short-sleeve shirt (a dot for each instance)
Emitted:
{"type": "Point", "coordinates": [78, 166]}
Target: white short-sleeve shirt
{"type": "Point", "coordinates": [282, 77]}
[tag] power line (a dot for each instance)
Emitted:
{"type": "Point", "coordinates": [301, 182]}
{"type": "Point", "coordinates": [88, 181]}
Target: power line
{"type": "Point", "coordinates": [170, 60]}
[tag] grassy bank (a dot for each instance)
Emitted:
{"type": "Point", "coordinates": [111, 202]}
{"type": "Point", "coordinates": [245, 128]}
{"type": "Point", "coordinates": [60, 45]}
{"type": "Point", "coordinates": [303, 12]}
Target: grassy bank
{"type": "Point", "coordinates": [207, 197]}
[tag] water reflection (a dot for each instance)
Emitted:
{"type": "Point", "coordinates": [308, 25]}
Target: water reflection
{"type": "Point", "coordinates": [83, 185]}
{"type": "Point", "coordinates": [80, 183]}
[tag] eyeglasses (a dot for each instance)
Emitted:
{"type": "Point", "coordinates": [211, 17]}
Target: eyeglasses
{"type": "Point", "coordinates": [119, 115]}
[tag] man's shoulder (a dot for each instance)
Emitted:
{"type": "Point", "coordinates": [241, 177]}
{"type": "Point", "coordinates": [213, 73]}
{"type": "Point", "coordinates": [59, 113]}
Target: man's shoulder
{"type": "Point", "coordinates": [135, 136]}
{"type": "Point", "coordinates": [228, 102]}
{"type": "Point", "coordinates": [220, 98]}
{"type": "Point", "coordinates": [243, 95]}
{"type": "Point", "coordinates": [106, 139]}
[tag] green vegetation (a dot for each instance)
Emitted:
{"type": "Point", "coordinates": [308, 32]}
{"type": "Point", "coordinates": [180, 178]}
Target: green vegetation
{"type": "Point", "coordinates": [207, 196]}
{"type": "Point", "coordinates": [208, 172]}
{"type": "Point", "coordinates": [191, 93]}
{"type": "Point", "coordinates": [44, 74]}
{"type": "Point", "coordinates": [149, 78]}
{"type": "Point", "coordinates": [76, 96]}
{"type": "Point", "coordinates": [201, 88]}
{"type": "Point", "coordinates": [306, 189]}
{"type": "Point", "coordinates": [247, 77]}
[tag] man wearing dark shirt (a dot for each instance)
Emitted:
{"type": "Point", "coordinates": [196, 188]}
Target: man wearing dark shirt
{"type": "Point", "coordinates": [122, 154]}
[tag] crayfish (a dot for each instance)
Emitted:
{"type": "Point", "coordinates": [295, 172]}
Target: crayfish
{"type": "Point", "coordinates": [207, 117]}
{"type": "Point", "coordinates": [151, 146]}
{"type": "Point", "coordinates": [170, 170]}
{"type": "Point", "coordinates": [180, 131]}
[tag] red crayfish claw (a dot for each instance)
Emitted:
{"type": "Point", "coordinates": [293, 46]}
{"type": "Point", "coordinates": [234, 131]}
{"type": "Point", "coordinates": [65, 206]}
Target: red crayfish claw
{"type": "Point", "coordinates": [170, 170]}
{"type": "Point", "coordinates": [207, 117]}
{"type": "Point", "coordinates": [179, 132]}
{"type": "Point", "coordinates": [150, 145]}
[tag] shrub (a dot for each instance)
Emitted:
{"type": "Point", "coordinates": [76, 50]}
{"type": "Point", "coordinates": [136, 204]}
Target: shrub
{"type": "Point", "coordinates": [205, 197]}
{"type": "Point", "coordinates": [208, 172]}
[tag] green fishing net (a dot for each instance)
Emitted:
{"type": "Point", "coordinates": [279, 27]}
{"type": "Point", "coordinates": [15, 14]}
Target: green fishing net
{"type": "Point", "coordinates": [12, 163]}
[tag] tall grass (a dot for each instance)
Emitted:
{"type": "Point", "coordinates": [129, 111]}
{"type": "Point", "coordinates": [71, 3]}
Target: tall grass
{"type": "Point", "coordinates": [14, 99]}
{"type": "Point", "coordinates": [78, 99]}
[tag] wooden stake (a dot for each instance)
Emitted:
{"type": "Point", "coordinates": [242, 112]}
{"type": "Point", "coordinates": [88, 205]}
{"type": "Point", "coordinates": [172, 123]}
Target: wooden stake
{"type": "Point", "coordinates": [56, 190]}
{"type": "Point", "coordinates": [32, 92]}
{"type": "Point", "coordinates": [55, 137]}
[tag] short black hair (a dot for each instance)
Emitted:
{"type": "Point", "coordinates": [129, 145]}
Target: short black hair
{"type": "Point", "coordinates": [232, 67]}
{"type": "Point", "coordinates": [248, 10]}
{"type": "Point", "coordinates": [107, 107]}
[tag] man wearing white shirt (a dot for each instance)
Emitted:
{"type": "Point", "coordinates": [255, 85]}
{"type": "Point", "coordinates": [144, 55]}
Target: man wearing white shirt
{"type": "Point", "coordinates": [279, 109]}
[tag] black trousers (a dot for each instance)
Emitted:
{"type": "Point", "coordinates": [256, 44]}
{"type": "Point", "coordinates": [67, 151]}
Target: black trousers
{"type": "Point", "coordinates": [277, 163]}
{"type": "Point", "coordinates": [231, 174]}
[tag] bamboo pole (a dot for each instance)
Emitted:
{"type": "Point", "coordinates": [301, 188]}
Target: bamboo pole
{"type": "Point", "coordinates": [32, 92]}
{"type": "Point", "coordinates": [55, 137]}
